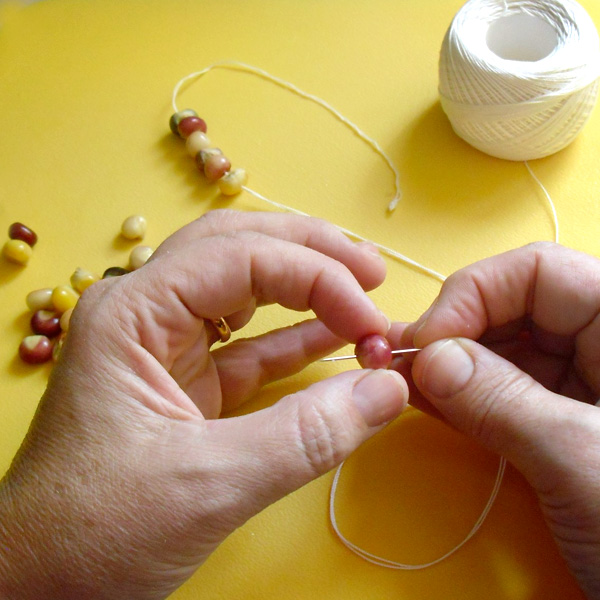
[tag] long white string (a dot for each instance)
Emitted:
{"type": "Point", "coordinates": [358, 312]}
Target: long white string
{"type": "Point", "coordinates": [390, 564]}
{"type": "Point", "coordinates": [548, 198]}
{"type": "Point", "coordinates": [238, 66]}
{"type": "Point", "coordinates": [389, 251]}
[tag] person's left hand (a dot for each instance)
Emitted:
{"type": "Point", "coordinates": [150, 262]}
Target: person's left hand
{"type": "Point", "coordinates": [126, 481]}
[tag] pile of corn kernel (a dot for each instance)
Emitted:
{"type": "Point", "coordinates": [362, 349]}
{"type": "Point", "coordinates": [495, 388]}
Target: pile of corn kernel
{"type": "Point", "coordinates": [51, 308]}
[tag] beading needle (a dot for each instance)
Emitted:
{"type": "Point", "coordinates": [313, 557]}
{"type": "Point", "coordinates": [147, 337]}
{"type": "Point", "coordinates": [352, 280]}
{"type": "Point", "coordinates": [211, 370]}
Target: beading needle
{"type": "Point", "coordinates": [349, 356]}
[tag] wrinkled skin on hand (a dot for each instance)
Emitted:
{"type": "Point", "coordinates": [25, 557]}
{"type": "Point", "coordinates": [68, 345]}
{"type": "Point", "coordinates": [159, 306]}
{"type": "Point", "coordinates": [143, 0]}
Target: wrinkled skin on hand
{"type": "Point", "coordinates": [127, 479]}
{"type": "Point", "coordinates": [511, 357]}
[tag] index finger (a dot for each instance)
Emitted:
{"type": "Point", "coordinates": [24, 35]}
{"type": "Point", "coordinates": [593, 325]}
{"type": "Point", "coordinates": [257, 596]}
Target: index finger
{"type": "Point", "coordinates": [557, 288]}
{"type": "Point", "coordinates": [361, 259]}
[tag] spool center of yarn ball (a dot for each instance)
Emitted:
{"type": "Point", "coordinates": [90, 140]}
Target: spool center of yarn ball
{"type": "Point", "coordinates": [521, 37]}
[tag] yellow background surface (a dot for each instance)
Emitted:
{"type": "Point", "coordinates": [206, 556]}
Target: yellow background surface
{"type": "Point", "coordinates": [84, 142]}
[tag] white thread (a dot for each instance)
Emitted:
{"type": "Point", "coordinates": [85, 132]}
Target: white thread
{"type": "Point", "coordinates": [239, 66]}
{"type": "Point", "coordinates": [389, 251]}
{"type": "Point", "coordinates": [519, 78]}
{"type": "Point", "coordinates": [548, 198]}
{"type": "Point", "coordinates": [391, 564]}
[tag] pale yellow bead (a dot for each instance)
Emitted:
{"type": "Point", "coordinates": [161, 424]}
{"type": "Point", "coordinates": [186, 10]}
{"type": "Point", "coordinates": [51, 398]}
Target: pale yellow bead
{"type": "Point", "coordinates": [82, 279]}
{"type": "Point", "coordinates": [17, 251]}
{"type": "Point", "coordinates": [65, 319]}
{"type": "Point", "coordinates": [39, 299]}
{"type": "Point", "coordinates": [196, 142]}
{"type": "Point", "coordinates": [231, 183]}
{"type": "Point", "coordinates": [63, 298]}
{"type": "Point", "coordinates": [134, 227]}
{"type": "Point", "coordinates": [139, 255]}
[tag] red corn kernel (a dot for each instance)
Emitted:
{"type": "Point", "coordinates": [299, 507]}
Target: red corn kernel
{"type": "Point", "coordinates": [216, 166]}
{"type": "Point", "coordinates": [178, 116]}
{"type": "Point", "coordinates": [373, 352]}
{"type": "Point", "coordinates": [188, 125]}
{"type": "Point", "coordinates": [204, 155]}
{"type": "Point", "coordinates": [18, 231]}
{"type": "Point", "coordinates": [45, 322]}
{"type": "Point", "coordinates": [35, 349]}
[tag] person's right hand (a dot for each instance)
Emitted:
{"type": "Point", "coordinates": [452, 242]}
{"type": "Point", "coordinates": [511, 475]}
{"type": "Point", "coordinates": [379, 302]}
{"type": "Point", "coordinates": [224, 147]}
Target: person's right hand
{"type": "Point", "coordinates": [511, 357]}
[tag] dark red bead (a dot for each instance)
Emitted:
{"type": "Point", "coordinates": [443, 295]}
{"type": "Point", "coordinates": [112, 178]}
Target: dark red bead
{"type": "Point", "coordinates": [45, 322]}
{"type": "Point", "coordinates": [373, 352]}
{"type": "Point", "coordinates": [18, 231]}
{"type": "Point", "coordinates": [188, 125]}
{"type": "Point", "coordinates": [35, 349]}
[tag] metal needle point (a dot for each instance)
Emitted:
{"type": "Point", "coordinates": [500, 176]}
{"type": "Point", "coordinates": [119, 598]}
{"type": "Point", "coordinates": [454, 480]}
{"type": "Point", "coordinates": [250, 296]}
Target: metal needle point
{"type": "Point", "coordinates": [349, 356]}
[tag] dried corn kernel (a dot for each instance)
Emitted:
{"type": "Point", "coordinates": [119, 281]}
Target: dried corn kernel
{"type": "Point", "coordinates": [82, 279]}
{"type": "Point", "coordinates": [45, 322]}
{"type": "Point", "coordinates": [35, 349]}
{"type": "Point", "coordinates": [231, 183]}
{"type": "Point", "coordinates": [197, 142]}
{"type": "Point", "coordinates": [216, 166]}
{"type": "Point", "coordinates": [40, 299]}
{"type": "Point", "coordinates": [204, 155]}
{"type": "Point", "coordinates": [179, 116]}
{"type": "Point", "coordinates": [65, 320]}
{"type": "Point", "coordinates": [187, 126]}
{"type": "Point", "coordinates": [139, 255]}
{"type": "Point", "coordinates": [64, 297]}
{"type": "Point", "coordinates": [17, 251]}
{"type": "Point", "coordinates": [58, 346]}
{"type": "Point", "coordinates": [18, 231]}
{"type": "Point", "coordinates": [134, 227]}
{"type": "Point", "coordinates": [114, 272]}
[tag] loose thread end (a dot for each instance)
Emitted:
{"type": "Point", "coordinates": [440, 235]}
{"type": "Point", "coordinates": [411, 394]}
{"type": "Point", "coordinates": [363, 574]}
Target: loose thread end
{"type": "Point", "coordinates": [394, 203]}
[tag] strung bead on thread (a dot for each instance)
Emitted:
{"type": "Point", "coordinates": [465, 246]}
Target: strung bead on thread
{"type": "Point", "coordinates": [373, 352]}
{"type": "Point", "coordinates": [211, 161]}
{"type": "Point", "coordinates": [179, 116]}
{"type": "Point", "coordinates": [231, 183]}
{"type": "Point", "coordinates": [197, 142]}
{"type": "Point", "coordinates": [189, 125]}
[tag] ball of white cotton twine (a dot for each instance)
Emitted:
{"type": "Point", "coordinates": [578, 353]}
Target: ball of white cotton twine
{"type": "Point", "coordinates": [519, 78]}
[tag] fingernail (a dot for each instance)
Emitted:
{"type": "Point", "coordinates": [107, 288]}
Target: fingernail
{"type": "Point", "coordinates": [371, 248]}
{"type": "Point", "coordinates": [447, 370]}
{"type": "Point", "coordinates": [389, 323]}
{"type": "Point", "coordinates": [379, 397]}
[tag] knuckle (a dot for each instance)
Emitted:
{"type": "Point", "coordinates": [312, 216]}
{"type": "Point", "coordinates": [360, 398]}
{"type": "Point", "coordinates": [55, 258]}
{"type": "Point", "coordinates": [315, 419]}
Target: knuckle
{"type": "Point", "coordinates": [321, 438]}
{"type": "Point", "coordinates": [215, 220]}
{"type": "Point", "coordinates": [499, 392]}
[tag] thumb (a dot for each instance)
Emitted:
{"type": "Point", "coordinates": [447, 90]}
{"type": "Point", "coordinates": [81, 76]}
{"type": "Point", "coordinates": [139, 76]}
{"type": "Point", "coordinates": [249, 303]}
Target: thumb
{"type": "Point", "coordinates": [491, 400]}
{"type": "Point", "coordinates": [306, 434]}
